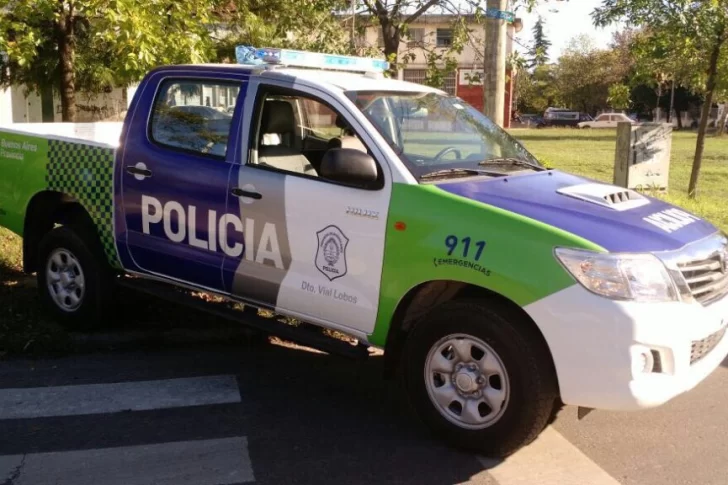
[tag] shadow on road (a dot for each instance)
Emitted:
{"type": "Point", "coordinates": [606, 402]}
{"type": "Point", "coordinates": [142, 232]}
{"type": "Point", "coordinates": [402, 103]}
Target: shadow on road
{"type": "Point", "coordinates": [308, 418]}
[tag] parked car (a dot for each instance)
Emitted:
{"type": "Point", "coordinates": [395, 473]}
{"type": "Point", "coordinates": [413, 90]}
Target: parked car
{"type": "Point", "coordinates": [606, 120]}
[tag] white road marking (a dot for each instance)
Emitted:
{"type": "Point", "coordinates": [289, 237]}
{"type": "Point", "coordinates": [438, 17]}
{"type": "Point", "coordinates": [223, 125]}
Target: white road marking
{"type": "Point", "coordinates": [204, 462]}
{"type": "Point", "coordinates": [550, 460]}
{"type": "Point", "coordinates": [42, 402]}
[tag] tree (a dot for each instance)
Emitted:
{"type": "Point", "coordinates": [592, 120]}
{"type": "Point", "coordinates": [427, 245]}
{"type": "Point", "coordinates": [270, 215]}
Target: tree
{"type": "Point", "coordinates": [309, 25]}
{"type": "Point", "coordinates": [538, 90]}
{"type": "Point", "coordinates": [619, 96]}
{"type": "Point", "coordinates": [59, 43]}
{"type": "Point", "coordinates": [585, 74]}
{"type": "Point", "coordinates": [48, 28]}
{"type": "Point", "coordinates": [393, 19]}
{"type": "Point", "coordinates": [540, 51]}
{"type": "Point", "coordinates": [701, 27]}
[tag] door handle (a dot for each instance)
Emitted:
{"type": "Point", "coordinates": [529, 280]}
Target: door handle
{"type": "Point", "coordinates": [139, 171]}
{"type": "Point", "coordinates": [238, 192]}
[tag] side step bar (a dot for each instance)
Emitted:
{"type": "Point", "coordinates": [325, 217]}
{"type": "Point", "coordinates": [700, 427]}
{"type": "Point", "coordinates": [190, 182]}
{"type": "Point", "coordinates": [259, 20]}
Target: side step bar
{"type": "Point", "coordinates": [308, 336]}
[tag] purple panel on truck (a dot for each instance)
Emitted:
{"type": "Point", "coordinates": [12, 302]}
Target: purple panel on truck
{"type": "Point", "coordinates": [173, 173]}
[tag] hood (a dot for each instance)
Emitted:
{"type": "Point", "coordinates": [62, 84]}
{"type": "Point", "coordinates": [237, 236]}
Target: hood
{"type": "Point", "coordinates": [615, 218]}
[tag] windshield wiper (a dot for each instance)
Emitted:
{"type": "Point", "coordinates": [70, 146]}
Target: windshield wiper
{"type": "Point", "coordinates": [512, 161]}
{"type": "Point", "coordinates": [460, 171]}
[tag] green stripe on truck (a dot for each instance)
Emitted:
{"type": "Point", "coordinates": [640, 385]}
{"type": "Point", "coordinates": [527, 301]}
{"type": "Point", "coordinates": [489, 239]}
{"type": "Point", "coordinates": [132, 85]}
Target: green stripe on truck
{"type": "Point", "coordinates": [436, 235]}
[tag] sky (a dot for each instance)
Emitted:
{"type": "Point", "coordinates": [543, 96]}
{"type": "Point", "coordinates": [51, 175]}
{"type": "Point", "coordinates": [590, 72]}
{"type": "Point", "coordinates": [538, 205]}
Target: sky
{"type": "Point", "coordinates": [564, 21]}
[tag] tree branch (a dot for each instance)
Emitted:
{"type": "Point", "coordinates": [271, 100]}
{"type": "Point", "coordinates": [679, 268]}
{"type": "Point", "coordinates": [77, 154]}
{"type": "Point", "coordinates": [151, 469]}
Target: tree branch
{"type": "Point", "coordinates": [420, 11]}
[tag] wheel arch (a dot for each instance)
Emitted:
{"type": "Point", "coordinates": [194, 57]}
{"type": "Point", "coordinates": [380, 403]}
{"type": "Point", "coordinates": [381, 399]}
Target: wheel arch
{"type": "Point", "coordinates": [424, 296]}
{"type": "Point", "coordinates": [44, 210]}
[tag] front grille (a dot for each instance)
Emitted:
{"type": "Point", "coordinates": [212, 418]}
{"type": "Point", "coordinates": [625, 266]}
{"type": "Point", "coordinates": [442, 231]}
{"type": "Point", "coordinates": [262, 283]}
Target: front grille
{"type": "Point", "coordinates": [701, 348]}
{"type": "Point", "coordinates": [707, 278]}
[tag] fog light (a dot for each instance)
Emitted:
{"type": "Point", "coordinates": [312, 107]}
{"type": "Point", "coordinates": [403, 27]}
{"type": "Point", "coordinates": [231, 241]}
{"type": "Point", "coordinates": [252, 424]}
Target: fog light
{"type": "Point", "coordinates": [642, 361]}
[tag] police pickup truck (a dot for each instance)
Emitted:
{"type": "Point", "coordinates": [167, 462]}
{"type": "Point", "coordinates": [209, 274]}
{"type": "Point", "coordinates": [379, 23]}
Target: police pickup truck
{"type": "Point", "coordinates": [314, 187]}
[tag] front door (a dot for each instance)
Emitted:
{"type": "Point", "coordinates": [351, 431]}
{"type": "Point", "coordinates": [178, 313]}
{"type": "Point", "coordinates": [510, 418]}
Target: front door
{"type": "Point", "coordinates": [174, 182]}
{"type": "Point", "coordinates": [313, 248]}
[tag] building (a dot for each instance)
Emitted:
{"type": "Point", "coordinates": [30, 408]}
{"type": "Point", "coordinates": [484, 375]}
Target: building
{"type": "Point", "coordinates": [433, 33]}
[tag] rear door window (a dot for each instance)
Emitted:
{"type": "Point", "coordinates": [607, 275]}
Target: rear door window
{"type": "Point", "coordinates": [194, 116]}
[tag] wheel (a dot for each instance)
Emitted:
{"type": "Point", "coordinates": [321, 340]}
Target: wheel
{"type": "Point", "coordinates": [74, 281]}
{"type": "Point", "coordinates": [481, 381]}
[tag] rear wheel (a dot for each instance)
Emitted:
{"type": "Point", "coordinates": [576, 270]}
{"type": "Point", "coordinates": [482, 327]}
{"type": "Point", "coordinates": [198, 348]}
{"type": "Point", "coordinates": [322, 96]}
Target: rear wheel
{"type": "Point", "coordinates": [479, 379]}
{"type": "Point", "coordinates": [74, 281]}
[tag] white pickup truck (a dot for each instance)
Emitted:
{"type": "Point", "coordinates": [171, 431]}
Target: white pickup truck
{"type": "Point", "coordinates": [312, 186]}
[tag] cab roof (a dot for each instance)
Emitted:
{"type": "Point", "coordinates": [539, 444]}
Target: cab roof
{"type": "Point", "coordinates": [345, 81]}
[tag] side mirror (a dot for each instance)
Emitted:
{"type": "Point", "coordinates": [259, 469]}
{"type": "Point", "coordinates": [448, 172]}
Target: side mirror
{"type": "Point", "coordinates": [349, 166]}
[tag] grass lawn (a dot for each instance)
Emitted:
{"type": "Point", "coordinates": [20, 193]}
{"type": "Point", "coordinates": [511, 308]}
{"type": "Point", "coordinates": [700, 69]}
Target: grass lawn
{"type": "Point", "coordinates": [591, 153]}
{"type": "Point", "coordinates": [23, 328]}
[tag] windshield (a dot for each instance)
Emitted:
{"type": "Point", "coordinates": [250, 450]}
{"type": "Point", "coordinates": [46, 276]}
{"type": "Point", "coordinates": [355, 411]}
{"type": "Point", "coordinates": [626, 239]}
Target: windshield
{"type": "Point", "coordinates": [435, 133]}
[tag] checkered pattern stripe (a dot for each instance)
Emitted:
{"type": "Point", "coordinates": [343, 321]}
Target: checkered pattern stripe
{"type": "Point", "coordinates": [86, 172]}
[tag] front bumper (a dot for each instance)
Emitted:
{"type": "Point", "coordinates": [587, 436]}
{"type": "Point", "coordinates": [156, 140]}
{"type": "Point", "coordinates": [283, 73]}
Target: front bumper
{"type": "Point", "coordinates": [626, 355]}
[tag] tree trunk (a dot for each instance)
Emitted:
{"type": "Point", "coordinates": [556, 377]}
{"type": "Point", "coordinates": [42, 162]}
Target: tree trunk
{"type": "Point", "coordinates": [672, 102]}
{"type": "Point", "coordinates": [67, 51]}
{"type": "Point", "coordinates": [710, 90]}
{"type": "Point", "coordinates": [391, 38]}
{"type": "Point", "coordinates": [678, 114]}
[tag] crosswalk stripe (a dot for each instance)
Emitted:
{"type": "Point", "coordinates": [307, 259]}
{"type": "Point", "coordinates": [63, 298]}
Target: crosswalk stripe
{"type": "Point", "coordinates": [42, 402]}
{"type": "Point", "coordinates": [203, 462]}
{"type": "Point", "coordinates": [550, 460]}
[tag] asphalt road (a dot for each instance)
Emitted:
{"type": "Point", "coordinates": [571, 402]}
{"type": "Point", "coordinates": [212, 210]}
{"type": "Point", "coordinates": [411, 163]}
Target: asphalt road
{"type": "Point", "coordinates": [274, 415]}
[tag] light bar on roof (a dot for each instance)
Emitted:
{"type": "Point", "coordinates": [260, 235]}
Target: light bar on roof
{"type": "Point", "coordinates": [269, 55]}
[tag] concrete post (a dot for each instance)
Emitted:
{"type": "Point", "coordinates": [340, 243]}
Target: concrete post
{"type": "Point", "coordinates": [495, 64]}
{"type": "Point", "coordinates": [642, 156]}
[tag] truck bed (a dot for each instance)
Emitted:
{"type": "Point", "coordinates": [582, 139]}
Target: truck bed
{"type": "Point", "coordinates": [105, 133]}
{"type": "Point", "coordinates": [76, 159]}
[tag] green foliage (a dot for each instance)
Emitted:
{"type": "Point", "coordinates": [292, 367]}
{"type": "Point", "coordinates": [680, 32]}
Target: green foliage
{"type": "Point", "coordinates": [585, 74]}
{"type": "Point", "coordinates": [538, 90]}
{"type": "Point", "coordinates": [305, 25]}
{"type": "Point", "coordinates": [116, 42]}
{"type": "Point", "coordinates": [619, 96]}
{"type": "Point", "coordinates": [540, 51]}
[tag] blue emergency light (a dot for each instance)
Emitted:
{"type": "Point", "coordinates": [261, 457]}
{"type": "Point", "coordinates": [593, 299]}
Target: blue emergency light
{"type": "Point", "coordinates": [249, 55]}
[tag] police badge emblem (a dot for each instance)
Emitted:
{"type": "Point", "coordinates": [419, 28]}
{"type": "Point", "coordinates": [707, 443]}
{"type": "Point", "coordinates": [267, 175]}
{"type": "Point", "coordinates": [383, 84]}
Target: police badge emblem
{"type": "Point", "coordinates": [331, 252]}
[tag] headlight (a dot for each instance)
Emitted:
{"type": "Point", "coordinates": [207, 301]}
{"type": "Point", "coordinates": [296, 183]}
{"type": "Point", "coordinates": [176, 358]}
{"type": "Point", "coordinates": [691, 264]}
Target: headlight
{"type": "Point", "coordinates": [638, 277]}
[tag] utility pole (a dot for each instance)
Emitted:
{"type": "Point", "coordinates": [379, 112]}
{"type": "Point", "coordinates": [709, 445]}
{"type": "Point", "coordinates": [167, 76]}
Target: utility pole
{"type": "Point", "coordinates": [495, 63]}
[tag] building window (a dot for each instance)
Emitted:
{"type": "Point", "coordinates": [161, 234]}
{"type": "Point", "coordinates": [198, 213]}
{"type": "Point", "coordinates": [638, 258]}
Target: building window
{"type": "Point", "coordinates": [418, 76]}
{"type": "Point", "coordinates": [416, 37]}
{"type": "Point", "coordinates": [444, 37]}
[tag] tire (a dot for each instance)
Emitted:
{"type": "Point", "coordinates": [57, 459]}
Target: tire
{"type": "Point", "coordinates": [80, 252]}
{"type": "Point", "coordinates": [527, 383]}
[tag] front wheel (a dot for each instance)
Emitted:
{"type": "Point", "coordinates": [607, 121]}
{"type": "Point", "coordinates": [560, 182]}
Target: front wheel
{"type": "Point", "coordinates": [481, 380]}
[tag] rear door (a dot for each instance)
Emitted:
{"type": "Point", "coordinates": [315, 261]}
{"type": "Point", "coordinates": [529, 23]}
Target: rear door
{"type": "Point", "coordinates": [174, 179]}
